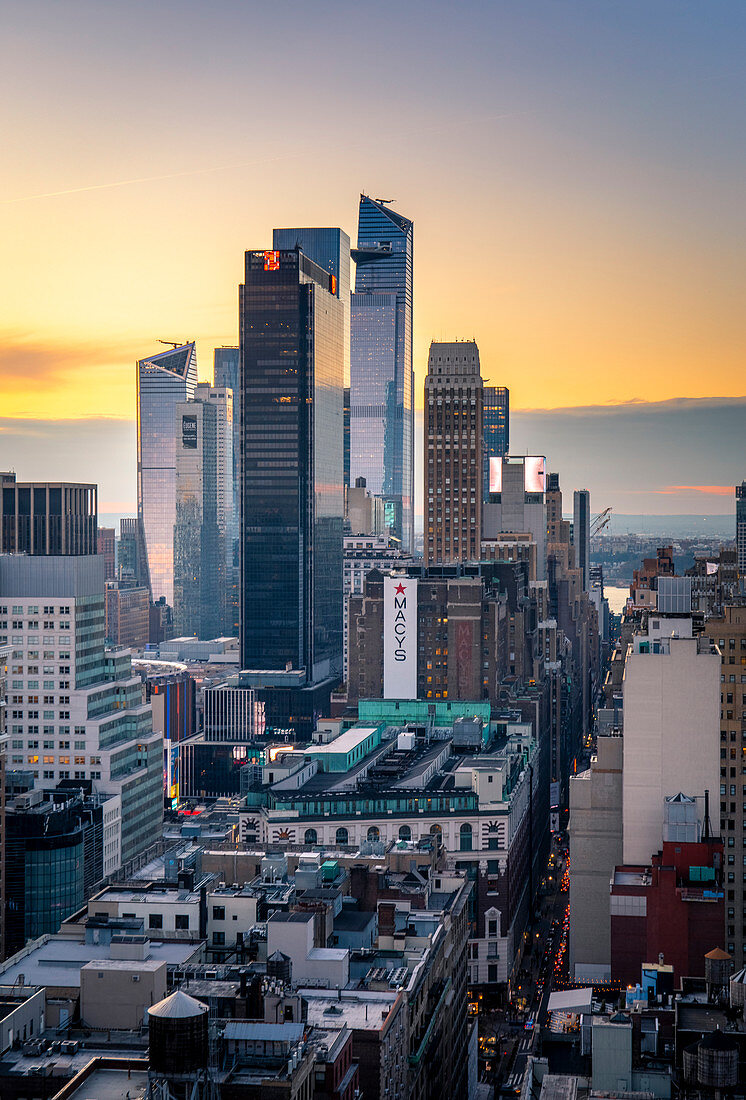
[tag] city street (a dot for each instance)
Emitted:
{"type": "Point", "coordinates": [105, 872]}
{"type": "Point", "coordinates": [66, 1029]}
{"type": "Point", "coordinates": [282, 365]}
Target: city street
{"type": "Point", "coordinates": [505, 1044]}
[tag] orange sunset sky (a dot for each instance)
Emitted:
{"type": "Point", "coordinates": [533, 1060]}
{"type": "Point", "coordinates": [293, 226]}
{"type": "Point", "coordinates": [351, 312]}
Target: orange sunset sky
{"type": "Point", "coordinates": [575, 172]}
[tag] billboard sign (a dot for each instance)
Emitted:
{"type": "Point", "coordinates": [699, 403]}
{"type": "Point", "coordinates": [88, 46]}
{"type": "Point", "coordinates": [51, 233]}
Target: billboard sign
{"type": "Point", "coordinates": [400, 637]}
{"type": "Point", "coordinates": [534, 474]}
{"type": "Point", "coordinates": [189, 432]}
{"type": "Point", "coordinates": [496, 475]}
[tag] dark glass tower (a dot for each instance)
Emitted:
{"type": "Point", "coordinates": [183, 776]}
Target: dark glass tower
{"type": "Point", "coordinates": [381, 375]}
{"type": "Point", "coordinates": [741, 527]}
{"type": "Point", "coordinates": [291, 327]}
{"type": "Point", "coordinates": [495, 431]}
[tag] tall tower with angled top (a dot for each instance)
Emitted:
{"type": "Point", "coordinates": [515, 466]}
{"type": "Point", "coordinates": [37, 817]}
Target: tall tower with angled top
{"type": "Point", "coordinates": [163, 380]}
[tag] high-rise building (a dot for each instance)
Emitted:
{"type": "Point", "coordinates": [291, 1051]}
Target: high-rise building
{"type": "Point", "coordinates": [43, 517]}
{"type": "Point", "coordinates": [127, 614]}
{"type": "Point", "coordinates": [581, 532]}
{"type": "Point", "coordinates": [107, 548]}
{"type": "Point", "coordinates": [671, 729]}
{"type": "Point", "coordinates": [453, 453]}
{"type": "Point", "coordinates": [517, 502]}
{"type": "Point", "coordinates": [163, 380]}
{"type": "Point", "coordinates": [381, 369]}
{"type": "Point", "coordinates": [75, 710]}
{"type": "Point", "coordinates": [330, 249]}
{"type": "Point", "coordinates": [728, 633]}
{"type": "Point", "coordinates": [4, 663]}
{"type": "Point", "coordinates": [226, 374]}
{"type": "Point", "coordinates": [204, 514]}
{"type": "Point", "coordinates": [495, 429]}
{"type": "Point", "coordinates": [741, 527]}
{"type": "Point", "coordinates": [292, 503]}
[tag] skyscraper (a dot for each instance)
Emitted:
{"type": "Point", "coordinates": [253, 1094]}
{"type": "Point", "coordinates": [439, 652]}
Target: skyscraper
{"type": "Point", "coordinates": [43, 517]}
{"type": "Point", "coordinates": [291, 327]}
{"type": "Point", "coordinates": [381, 373]}
{"type": "Point", "coordinates": [163, 380]}
{"type": "Point", "coordinates": [330, 249]}
{"type": "Point", "coordinates": [453, 453]}
{"type": "Point", "coordinates": [581, 532]}
{"type": "Point", "coordinates": [741, 528]}
{"type": "Point", "coordinates": [495, 430]}
{"type": "Point", "coordinates": [226, 374]}
{"type": "Point", "coordinates": [204, 513]}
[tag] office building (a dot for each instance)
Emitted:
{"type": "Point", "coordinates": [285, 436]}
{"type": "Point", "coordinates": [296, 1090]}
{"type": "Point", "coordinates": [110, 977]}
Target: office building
{"type": "Point", "coordinates": [453, 453]}
{"type": "Point", "coordinates": [455, 632]}
{"type": "Point", "coordinates": [671, 728]}
{"type": "Point", "coordinates": [361, 554]}
{"type": "Point", "coordinates": [75, 710]}
{"type": "Point", "coordinates": [226, 376]}
{"type": "Point", "coordinates": [4, 665]}
{"type": "Point", "coordinates": [44, 517]}
{"type": "Point", "coordinates": [728, 633]}
{"type": "Point", "coordinates": [595, 829]}
{"type": "Point", "coordinates": [107, 548]}
{"type": "Point", "coordinates": [292, 500]}
{"type": "Point", "coordinates": [171, 696]}
{"type": "Point", "coordinates": [741, 527]}
{"type": "Point", "coordinates": [517, 502]}
{"type": "Point", "coordinates": [163, 380]}
{"type": "Point", "coordinates": [381, 366]}
{"type": "Point", "coordinates": [581, 533]}
{"type": "Point", "coordinates": [364, 513]}
{"type": "Point", "coordinates": [54, 858]}
{"type": "Point", "coordinates": [330, 249]}
{"type": "Point", "coordinates": [127, 614]}
{"type": "Point", "coordinates": [203, 528]}
{"type": "Point", "coordinates": [495, 429]}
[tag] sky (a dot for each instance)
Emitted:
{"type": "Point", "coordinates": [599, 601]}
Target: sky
{"type": "Point", "coordinates": [575, 172]}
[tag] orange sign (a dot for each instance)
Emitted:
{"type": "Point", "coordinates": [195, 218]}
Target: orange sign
{"type": "Point", "coordinates": [271, 261]}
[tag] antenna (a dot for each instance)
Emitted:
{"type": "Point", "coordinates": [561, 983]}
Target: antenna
{"type": "Point", "coordinates": [172, 343]}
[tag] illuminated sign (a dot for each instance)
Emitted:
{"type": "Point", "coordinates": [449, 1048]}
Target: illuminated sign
{"type": "Point", "coordinates": [271, 261]}
{"type": "Point", "coordinates": [189, 432]}
{"type": "Point", "coordinates": [496, 475]}
{"type": "Point", "coordinates": [534, 474]}
{"type": "Point", "coordinates": [400, 638]}
{"type": "Point", "coordinates": [334, 284]}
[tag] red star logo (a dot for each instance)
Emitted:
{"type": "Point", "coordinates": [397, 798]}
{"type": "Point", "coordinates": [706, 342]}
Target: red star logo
{"type": "Point", "coordinates": [400, 589]}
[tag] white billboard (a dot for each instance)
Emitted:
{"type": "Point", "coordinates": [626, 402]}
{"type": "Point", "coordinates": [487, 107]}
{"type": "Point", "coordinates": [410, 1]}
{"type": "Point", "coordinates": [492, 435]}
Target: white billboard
{"type": "Point", "coordinates": [496, 475]}
{"type": "Point", "coordinates": [400, 637]}
{"type": "Point", "coordinates": [534, 474]}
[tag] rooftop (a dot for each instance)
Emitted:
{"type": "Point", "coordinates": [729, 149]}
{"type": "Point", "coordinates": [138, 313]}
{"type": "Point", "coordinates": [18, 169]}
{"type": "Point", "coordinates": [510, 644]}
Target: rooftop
{"type": "Point", "coordinates": [112, 1084]}
{"type": "Point", "coordinates": [364, 1011]}
{"type": "Point", "coordinates": [57, 961]}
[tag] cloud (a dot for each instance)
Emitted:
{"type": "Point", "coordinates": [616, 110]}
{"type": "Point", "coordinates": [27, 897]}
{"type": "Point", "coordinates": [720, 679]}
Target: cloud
{"type": "Point", "coordinates": [708, 490]}
{"type": "Point", "coordinates": [24, 359]}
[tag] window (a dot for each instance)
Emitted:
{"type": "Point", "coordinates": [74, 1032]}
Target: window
{"type": "Point", "coordinates": [218, 939]}
{"type": "Point", "coordinates": [492, 929]}
{"type": "Point", "coordinates": [155, 920]}
{"type": "Point", "coordinates": [182, 921]}
{"type": "Point", "coordinates": [492, 973]}
{"type": "Point", "coordinates": [310, 837]}
{"type": "Point", "coordinates": [405, 833]}
{"type": "Point", "coordinates": [373, 835]}
{"type": "Point", "coordinates": [342, 836]}
{"type": "Point", "coordinates": [218, 912]}
{"type": "Point", "coordinates": [465, 838]}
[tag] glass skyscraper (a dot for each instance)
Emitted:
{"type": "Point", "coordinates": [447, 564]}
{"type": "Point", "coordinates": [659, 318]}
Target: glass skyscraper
{"type": "Point", "coordinates": [495, 431]}
{"type": "Point", "coordinates": [381, 374]}
{"type": "Point", "coordinates": [291, 326]}
{"type": "Point", "coordinates": [163, 380]}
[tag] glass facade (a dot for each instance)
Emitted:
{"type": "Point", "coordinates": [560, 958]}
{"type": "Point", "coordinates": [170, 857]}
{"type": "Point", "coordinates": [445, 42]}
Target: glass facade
{"type": "Point", "coordinates": [292, 374]}
{"type": "Point", "coordinates": [163, 381]}
{"type": "Point", "coordinates": [495, 430]}
{"type": "Point", "coordinates": [381, 373]}
{"type": "Point", "coordinates": [200, 593]}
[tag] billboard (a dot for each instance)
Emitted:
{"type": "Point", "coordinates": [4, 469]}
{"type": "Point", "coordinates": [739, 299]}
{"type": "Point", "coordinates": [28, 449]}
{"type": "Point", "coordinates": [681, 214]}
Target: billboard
{"type": "Point", "coordinates": [534, 474]}
{"type": "Point", "coordinates": [496, 475]}
{"type": "Point", "coordinates": [399, 637]}
{"type": "Point", "coordinates": [189, 432]}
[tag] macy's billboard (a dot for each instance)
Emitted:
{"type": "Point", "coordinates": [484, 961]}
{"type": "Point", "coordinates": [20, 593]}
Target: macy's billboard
{"type": "Point", "coordinates": [400, 637]}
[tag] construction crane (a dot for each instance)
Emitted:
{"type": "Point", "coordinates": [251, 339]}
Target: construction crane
{"type": "Point", "coordinates": [172, 343]}
{"type": "Point", "coordinates": [601, 521]}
